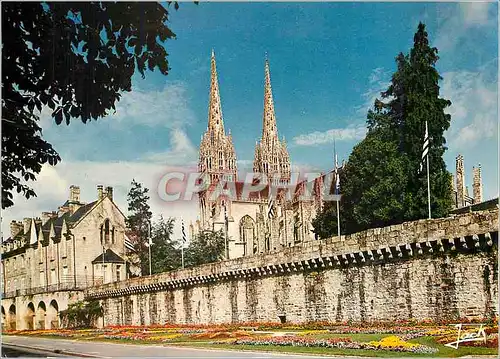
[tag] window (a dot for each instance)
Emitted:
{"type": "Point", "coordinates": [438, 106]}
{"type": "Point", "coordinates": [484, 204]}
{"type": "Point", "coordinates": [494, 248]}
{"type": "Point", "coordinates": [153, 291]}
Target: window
{"type": "Point", "coordinates": [64, 248]}
{"type": "Point", "coordinates": [65, 274]}
{"type": "Point", "coordinates": [118, 273]}
{"type": "Point", "coordinates": [105, 231]}
{"type": "Point", "coordinates": [104, 269]}
{"type": "Point", "coordinates": [113, 235]}
{"type": "Point", "coordinates": [53, 278]}
{"type": "Point", "coordinates": [52, 250]}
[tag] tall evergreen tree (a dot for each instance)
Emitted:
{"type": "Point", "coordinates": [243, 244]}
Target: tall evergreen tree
{"type": "Point", "coordinates": [139, 220]}
{"type": "Point", "coordinates": [380, 182]}
{"type": "Point", "coordinates": [414, 94]}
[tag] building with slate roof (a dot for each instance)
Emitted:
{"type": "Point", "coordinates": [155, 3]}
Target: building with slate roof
{"type": "Point", "coordinates": [64, 251]}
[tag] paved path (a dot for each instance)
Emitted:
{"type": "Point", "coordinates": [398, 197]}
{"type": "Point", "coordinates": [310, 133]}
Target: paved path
{"type": "Point", "coordinates": [110, 350]}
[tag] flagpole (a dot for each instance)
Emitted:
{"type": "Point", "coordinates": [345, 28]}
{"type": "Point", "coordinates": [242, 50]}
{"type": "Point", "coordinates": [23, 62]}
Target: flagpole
{"type": "Point", "coordinates": [428, 185]}
{"type": "Point", "coordinates": [336, 188]}
{"type": "Point", "coordinates": [225, 232]}
{"type": "Point", "coordinates": [182, 245]}
{"type": "Point", "coordinates": [149, 247]}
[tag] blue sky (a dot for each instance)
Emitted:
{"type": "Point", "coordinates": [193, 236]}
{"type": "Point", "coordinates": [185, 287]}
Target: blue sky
{"type": "Point", "coordinates": [328, 63]}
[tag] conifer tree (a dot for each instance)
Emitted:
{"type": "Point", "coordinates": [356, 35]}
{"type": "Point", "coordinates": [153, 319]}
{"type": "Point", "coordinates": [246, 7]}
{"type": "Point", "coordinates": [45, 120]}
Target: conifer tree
{"type": "Point", "coordinates": [139, 220]}
{"type": "Point", "coordinates": [380, 182]}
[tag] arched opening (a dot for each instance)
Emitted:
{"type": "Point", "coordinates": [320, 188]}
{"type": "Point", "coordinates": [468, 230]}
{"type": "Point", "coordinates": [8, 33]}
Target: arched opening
{"type": "Point", "coordinates": [247, 235]}
{"type": "Point", "coordinates": [30, 316]}
{"type": "Point", "coordinates": [41, 312]}
{"type": "Point", "coordinates": [53, 314]}
{"type": "Point", "coordinates": [4, 319]}
{"type": "Point", "coordinates": [12, 318]}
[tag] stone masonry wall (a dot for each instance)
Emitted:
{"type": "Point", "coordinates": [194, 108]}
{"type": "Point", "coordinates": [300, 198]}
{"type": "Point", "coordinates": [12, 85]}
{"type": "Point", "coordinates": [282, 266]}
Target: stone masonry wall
{"type": "Point", "coordinates": [430, 269]}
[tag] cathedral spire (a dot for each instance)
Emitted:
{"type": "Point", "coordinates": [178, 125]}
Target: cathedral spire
{"type": "Point", "coordinates": [215, 119]}
{"type": "Point", "coordinates": [269, 130]}
{"type": "Point", "coordinates": [271, 154]}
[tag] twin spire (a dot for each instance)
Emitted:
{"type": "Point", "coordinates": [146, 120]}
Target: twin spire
{"type": "Point", "coordinates": [217, 153]}
{"type": "Point", "coordinates": [215, 118]}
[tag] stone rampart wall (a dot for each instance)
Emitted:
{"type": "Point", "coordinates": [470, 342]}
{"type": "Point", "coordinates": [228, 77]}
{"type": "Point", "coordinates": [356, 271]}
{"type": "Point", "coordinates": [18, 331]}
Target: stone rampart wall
{"type": "Point", "coordinates": [429, 269]}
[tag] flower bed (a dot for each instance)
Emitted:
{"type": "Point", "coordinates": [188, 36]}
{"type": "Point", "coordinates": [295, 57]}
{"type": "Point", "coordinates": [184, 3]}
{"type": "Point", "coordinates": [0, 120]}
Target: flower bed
{"type": "Point", "coordinates": [393, 344]}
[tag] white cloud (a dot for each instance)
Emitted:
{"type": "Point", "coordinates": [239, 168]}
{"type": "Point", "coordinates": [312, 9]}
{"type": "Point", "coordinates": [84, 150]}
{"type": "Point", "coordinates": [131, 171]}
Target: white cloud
{"type": "Point", "coordinates": [166, 108]}
{"type": "Point", "coordinates": [340, 134]}
{"type": "Point", "coordinates": [475, 13]}
{"type": "Point", "coordinates": [474, 107]}
{"type": "Point", "coordinates": [181, 152]}
{"type": "Point", "coordinates": [459, 20]}
{"type": "Point", "coordinates": [379, 81]}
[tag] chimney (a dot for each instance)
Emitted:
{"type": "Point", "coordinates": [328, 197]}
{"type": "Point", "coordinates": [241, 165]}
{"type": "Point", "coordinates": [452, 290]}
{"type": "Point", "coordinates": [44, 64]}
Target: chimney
{"type": "Point", "coordinates": [477, 186]}
{"type": "Point", "coordinates": [74, 198]}
{"type": "Point", "coordinates": [15, 228]}
{"type": "Point", "coordinates": [460, 181]}
{"type": "Point", "coordinates": [45, 217]}
{"type": "Point", "coordinates": [99, 192]}
{"type": "Point", "coordinates": [26, 224]}
{"type": "Point", "coordinates": [109, 193]}
{"type": "Point", "coordinates": [74, 194]}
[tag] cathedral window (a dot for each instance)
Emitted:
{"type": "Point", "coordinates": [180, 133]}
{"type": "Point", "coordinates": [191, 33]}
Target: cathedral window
{"type": "Point", "coordinates": [247, 235]}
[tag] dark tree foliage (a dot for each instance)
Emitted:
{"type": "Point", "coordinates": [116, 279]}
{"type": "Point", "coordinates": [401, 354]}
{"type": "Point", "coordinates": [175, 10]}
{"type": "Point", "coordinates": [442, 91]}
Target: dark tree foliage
{"type": "Point", "coordinates": [380, 183]}
{"type": "Point", "coordinates": [166, 252]}
{"type": "Point", "coordinates": [139, 221]}
{"type": "Point", "coordinates": [206, 247]}
{"type": "Point", "coordinates": [81, 315]}
{"type": "Point", "coordinates": [75, 58]}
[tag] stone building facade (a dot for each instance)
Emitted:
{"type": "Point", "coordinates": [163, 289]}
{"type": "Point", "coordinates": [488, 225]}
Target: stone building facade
{"type": "Point", "coordinates": [65, 251]}
{"type": "Point", "coordinates": [253, 223]}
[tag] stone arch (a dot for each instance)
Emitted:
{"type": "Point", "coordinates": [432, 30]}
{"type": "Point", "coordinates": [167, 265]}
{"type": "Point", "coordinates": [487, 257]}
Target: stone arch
{"type": "Point", "coordinates": [4, 319]}
{"type": "Point", "coordinates": [53, 314]}
{"type": "Point", "coordinates": [41, 313]}
{"type": "Point", "coordinates": [11, 324]}
{"type": "Point", "coordinates": [30, 316]}
{"type": "Point", "coordinates": [248, 235]}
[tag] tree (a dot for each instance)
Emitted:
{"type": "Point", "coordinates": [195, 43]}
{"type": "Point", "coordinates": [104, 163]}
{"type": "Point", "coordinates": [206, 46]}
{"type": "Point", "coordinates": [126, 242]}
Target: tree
{"type": "Point", "coordinates": [81, 314]}
{"type": "Point", "coordinates": [166, 252]}
{"type": "Point", "coordinates": [139, 221]}
{"type": "Point", "coordinates": [206, 247]}
{"type": "Point", "coordinates": [380, 182]}
{"type": "Point", "coordinates": [75, 58]}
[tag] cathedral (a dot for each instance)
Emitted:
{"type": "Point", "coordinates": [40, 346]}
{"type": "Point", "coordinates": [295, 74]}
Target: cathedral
{"type": "Point", "coordinates": [278, 215]}
{"type": "Point", "coordinates": [254, 223]}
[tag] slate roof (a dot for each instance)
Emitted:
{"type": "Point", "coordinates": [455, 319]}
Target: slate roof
{"type": "Point", "coordinates": [264, 193]}
{"type": "Point", "coordinates": [109, 257]}
{"type": "Point", "coordinates": [58, 222]}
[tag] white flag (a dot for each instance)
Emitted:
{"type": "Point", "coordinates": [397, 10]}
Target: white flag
{"type": "Point", "coordinates": [183, 233]}
{"type": "Point", "coordinates": [425, 148]}
{"type": "Point", "coordinates": [270, 208]}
